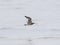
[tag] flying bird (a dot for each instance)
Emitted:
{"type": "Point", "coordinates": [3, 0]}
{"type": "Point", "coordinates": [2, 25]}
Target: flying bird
{"type": "Point", "coordinates": [29, 22]}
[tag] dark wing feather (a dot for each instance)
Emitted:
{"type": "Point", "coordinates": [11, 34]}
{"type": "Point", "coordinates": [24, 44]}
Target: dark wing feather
{"type": "Point", "coordinates": [28, 18]}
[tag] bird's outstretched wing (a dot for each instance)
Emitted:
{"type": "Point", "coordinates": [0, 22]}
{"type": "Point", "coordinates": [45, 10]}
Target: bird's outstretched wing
{"type": "Point", "coordinates": [28, 18]}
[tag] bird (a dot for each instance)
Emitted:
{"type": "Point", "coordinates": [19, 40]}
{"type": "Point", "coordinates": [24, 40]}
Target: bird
{"type": "Point", "coordinates": [29, 22]}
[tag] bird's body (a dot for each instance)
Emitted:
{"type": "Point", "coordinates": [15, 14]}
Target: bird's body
{"type": "Point", "coordinates": [29, 21]}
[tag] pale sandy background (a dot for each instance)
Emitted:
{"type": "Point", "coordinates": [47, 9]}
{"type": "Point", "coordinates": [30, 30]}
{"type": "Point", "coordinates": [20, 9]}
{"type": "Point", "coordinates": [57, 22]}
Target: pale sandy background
{"type": "Point", "coordinates": [46, 15]}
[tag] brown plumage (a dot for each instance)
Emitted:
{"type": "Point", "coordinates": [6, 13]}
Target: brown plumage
{"type": "Point", "coordinates": [29, 21]}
